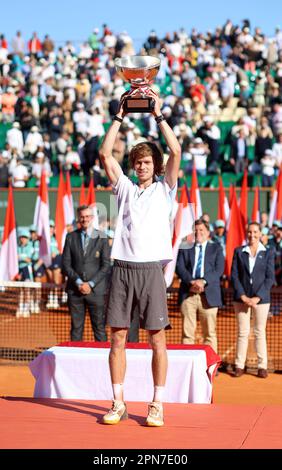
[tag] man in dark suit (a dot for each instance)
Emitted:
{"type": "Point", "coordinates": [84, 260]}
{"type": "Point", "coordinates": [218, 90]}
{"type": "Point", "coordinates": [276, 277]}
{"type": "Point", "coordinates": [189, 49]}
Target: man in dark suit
{"type": "Point", "coordinates": [239, 152]}
{"type": "Point", "coordinates": [86, 263]}
{"type": "Point", "coordinates": [200, 269]}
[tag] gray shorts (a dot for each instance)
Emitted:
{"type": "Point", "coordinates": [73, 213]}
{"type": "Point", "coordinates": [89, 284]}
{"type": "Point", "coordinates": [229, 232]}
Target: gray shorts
{"type": "Point", "coordinates": [141, 286]}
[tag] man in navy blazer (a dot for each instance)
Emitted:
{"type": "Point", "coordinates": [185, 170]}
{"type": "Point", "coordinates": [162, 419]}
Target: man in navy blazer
{"type": "Point", "coordinates": [86, 262]}
{"type": "Point", "coordinates": [252, 276]}
{"type": "Point", "coordinates": [200, 269]}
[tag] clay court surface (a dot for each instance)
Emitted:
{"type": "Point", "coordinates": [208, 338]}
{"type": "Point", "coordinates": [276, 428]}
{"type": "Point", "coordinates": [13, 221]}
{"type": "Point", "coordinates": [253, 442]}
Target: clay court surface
{"type": "Point", "coordinates": [246, 413]}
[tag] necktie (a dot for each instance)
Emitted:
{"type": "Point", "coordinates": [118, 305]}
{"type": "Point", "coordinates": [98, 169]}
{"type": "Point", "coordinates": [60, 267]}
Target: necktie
{"type": "Point", "coordinates": [85, 242]}
{"type": "Point", "coordinates": [199, 263]}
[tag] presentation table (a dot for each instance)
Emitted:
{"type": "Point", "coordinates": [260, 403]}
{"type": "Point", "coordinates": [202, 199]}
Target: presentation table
{"type": "Point", "coordinates": [81, 371]}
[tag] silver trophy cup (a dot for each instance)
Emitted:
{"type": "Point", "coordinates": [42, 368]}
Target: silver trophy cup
{"type": "Point", "coordinates": [139, 71]}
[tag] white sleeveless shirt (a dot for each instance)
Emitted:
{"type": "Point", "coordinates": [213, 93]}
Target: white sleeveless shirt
{"type": "Point", "coordinates": [143, 231]}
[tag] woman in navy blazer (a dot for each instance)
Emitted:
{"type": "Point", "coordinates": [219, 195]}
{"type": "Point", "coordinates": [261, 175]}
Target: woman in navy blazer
{"type": "Point", "coordinates": [252, 276]}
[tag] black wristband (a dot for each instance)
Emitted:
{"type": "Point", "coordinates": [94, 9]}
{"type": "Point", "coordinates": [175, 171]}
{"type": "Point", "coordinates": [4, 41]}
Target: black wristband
{"type": "Point", "coordinates": [116, 118]}
{"type": "Point", "coordinates": [159, 119]}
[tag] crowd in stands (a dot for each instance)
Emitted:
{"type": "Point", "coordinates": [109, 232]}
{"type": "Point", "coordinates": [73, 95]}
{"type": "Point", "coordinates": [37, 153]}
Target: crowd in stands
{"type": "Point", "coordinates": [221, 95]}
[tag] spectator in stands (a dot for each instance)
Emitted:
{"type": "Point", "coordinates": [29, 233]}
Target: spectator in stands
{"type": "Point", "coordinates": [267, 168]}
{"type": "Point", "coordinates": [41, 164]}
{"type": "Point", "coordinates": [56, 123]}
{"type": "Point", "coordinates": [4, 62]}
{"type": "Point", "coordinates": [184, 134]}
{"type": "Point", "coordinates": [34, 45]}
{"type": "Point", "coordinates": [210, 134]}
{"type": "Point", "coordinates": [265, 237]}
{"type": "Point", "coordinates": [188, 76]}
{"type": "Point", "coordinates": [34, 100]}
{"type": "Point", "coordinates": [8, 102]}
{"type": "Point", "coordinates": [60, 148]}
{"type": "Point", "coordinates": [83, 88]}
{"type": "Point", "coordinates": [91, 152]}
{"type": "Point", "coordinates": [245, 94]}
{"type": "Point", "coordinates": [252, 277]}
{"type": "Point", "coordinates": [259, 90]}
{"type": "Point", "coordinates": [199, 152]}
{"type": "Point", "coordinates": [276, 119]}
{"type": "Point", "coordinates": [239, 152]}
{"type": "Point", "coordinates": [95, 123]}
{"type": "Point", "coordinates": [264, 139]}
{"type": "Point", "coordinates": [275, 242]}
{"type": "Point", "coordinates": [19, 174]}
{"type": "Point", "coordinates": [14, 138]}
{"type": "Point", "coordinates": [93, 41]}
{"type": "Point", "coordinates": [33, 142]}
{"type": "Point", "coordinates": [152, 42]}
{"type": "Point", "coordinates": [26, 118]}
{"type": "Point", "coordinates": [80, 119]}
{"type": "Point", "coordinates": [227, 86]}
{"type": "Point", "coordinates": [47, 147]}
{"type": "Point", "coordinates": [219, 234]}
{"type": "Point", "coordinates": [4, 172]}
{"type": "Point", "coordinates": [274, 228]}
{"type": "Point", "coordinates": [86, 263]}
{"type": "Point", "coordinates": [97, 173]}
{"type": "Point", "coordinates": [25, 252]}
{"type": "Point", "coordinates": [200, 269]}
{"type": "Point", "coordinates": [38, 270]}
{"type": "Point", "coordinates": [277, 151]}
{"type": "Point", "coordinates": [38, 267]}
{"type": "Point", "coordinates": [47, 46]}
{"type": "Point", "coordinates": [264, 219]}
{"type": "Point", "coordinates": [18, 44]}
{"type": "Point", "coordinates": [71, 161]}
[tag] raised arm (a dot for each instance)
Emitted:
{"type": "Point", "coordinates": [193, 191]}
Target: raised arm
{"type": "Point", "coordinates": [172, 166]}
{"type": "Point", "coordinates": [110, 164]}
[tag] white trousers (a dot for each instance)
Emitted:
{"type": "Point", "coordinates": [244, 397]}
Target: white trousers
{"type": "Point", "coordinates": [243, 314]}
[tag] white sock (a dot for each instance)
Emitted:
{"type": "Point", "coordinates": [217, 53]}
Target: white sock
{"type": "Point", "coordinates": [158, 393]}
{"type": "Point", "coordinates": [118, 391]}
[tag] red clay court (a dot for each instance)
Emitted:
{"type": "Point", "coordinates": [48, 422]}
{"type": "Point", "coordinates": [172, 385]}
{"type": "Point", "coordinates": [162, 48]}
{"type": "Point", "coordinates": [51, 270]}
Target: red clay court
{"type": "Point", "coordinates": [50, 423]}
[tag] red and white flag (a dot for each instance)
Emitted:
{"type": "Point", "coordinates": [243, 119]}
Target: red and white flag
{"type": "Point", "coordinates": [232, 194]}
{"type": "Point", "coordinates": [235, 234]}
{"type": "Point", "coordinates": [183, 228]}
{"type": "Point", "coordinates": [223, 206]}
{"type": "Point", "coordinates": [60, 223]}
{"type": "Point", "coordinates": [195, 197]}
{"type": "Point", "coordinates": [68, 201]}
{"type": "Point", "coordinates": [244, 198]}
{"type": "Point", "coordinates": [42, 222]}
{"type": "Point", "coordinates": [256, 206]}
{"type": "Point", "coordinates": [91, 202]}
{"type": "Point", "coordinates": [275, 212]}
{"type": "Point", "coordinates": [82, 195]}
{"type": "Point", "coordinates": [9, 266]}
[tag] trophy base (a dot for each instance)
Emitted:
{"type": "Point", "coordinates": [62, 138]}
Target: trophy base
{"type": "Point", "coordinates": [139, 105]}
